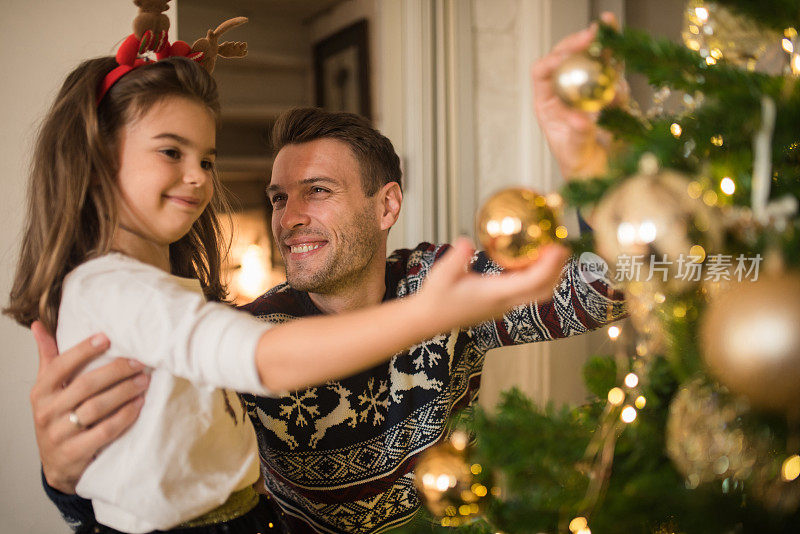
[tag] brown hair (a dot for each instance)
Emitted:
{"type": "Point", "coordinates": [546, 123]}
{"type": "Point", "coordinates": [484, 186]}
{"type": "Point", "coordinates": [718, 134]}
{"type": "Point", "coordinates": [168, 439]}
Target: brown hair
{"type": "Point", "coordinates": [73, 190]}
{"type": "Point", "coordinates": [374, 152]}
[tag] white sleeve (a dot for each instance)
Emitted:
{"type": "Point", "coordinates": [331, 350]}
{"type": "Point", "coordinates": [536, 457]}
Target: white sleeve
{"type": "Point", "coordinates": [151, 317]}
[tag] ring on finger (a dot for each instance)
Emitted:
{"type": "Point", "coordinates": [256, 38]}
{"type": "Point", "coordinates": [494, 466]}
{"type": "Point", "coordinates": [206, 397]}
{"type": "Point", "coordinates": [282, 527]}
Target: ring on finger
{"type": "Point", "coordinates": [75, 420]}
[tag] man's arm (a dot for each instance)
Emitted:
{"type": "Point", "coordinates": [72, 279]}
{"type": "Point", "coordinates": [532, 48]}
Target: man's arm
{"type": "Point", "coordinates": [579, 304]}
{"type": "Point", "coordinates": [578, 144]}
{"type": "Point", "coordinates": [106, 401]}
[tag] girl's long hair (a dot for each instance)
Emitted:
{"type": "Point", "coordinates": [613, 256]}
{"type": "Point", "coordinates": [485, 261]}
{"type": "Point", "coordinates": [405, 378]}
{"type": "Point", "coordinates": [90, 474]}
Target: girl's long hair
{"type": "Point", "coordinates": [73, 190]}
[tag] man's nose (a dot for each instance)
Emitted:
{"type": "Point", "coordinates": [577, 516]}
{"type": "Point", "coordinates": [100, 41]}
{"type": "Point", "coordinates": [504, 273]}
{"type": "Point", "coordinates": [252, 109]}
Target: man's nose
{"type": "Point", "coordinates": [294, 214]}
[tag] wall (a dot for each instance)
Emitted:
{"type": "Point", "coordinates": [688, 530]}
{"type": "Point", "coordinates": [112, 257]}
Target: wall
{"type": "Point", "coordinates": [40, 41]}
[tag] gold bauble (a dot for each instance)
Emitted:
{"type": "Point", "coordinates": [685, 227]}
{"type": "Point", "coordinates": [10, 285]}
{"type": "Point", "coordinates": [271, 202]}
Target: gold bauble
{"type": "Point", "coordinates": [717, 33]}
{"type": "Point", "coordinates": [750, 337]}
{"type": "Point", "coordinates": [651, 216]}
{"type": "Point", "coordinates": [704, 437]}
{"type": "Point", "coordinates": [585, 82]}
{"type": "Point", "coordinates": [447, 485]}
{"type": "Point", "coordinates": [514, 224]}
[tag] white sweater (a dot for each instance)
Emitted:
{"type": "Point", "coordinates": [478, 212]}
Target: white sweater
{"type": "Point", "coordinates": [192, 446]}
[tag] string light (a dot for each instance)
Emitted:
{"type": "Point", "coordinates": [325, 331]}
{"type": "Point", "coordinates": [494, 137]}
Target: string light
{"type": "Point", "coordinates": [561, 232]}
{"type": "Point", "coordinates": [640, 402]}
{"type": "Point", "coordinates": [727, 185]}
{"type": "Point", "coordinates": [710, 198]}
{"type": "Point", "coordinates": [675, 129]}
{"type": "Point", "coordinates": [616, 396]}
{"type": "Point", "coordinates": [790, 469]}
{"type": "Point", "coordinates": [717, 140]}
{"type": "Point", "coordinates": [578, 524]}
{"type": "Point", "coordinates": [697, 254]}
{"type": "Point", "coordinates": [695, 190]}
{"type": "Point", "coordinates": [614, 332]}
{"type": "Point", "coordinates": [631, 380]}
{"type": "Point", "coordinates": [628, 414]}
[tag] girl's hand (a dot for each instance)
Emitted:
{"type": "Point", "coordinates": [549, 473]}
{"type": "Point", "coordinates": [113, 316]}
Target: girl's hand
{"type": "Point", "coordinates": [455, 295]}
{"type": "Point", "coordinates": [105, 401]}
{"type": "Point", "coordinates": [579, 146]}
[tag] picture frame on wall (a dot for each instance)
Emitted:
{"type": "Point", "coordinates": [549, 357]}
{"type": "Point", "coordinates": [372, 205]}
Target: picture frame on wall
{"type": "Point", "coordinates": [341, 71]}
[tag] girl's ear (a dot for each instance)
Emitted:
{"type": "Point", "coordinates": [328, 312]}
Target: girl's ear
{"type": "Point", "coordinates": [391, 199]}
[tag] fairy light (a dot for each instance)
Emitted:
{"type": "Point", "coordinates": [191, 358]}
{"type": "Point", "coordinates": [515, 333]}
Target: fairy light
{"type": "Point", "coordinates": [679, 311]}
{"type": "Point", "coordinates": [616, 396]}
{"type": "Point", "coordinates": [640, 402]}
{"type": "Point", "coordinates": [476, 469]}
{"type": "Point", "coordinates": [716, 53]}
{"type": "Point", "coordinates": [697, 254]}
{"type": "Point", "coordinates": [695, 190]}
{"type": "Point", "coordinates": [787, 45]}
{"type": "Point", "coordinates": [578, 524]}
{"type": "Point", "coordinates": [790, 469]}
{"type": "Point", "coordinates": [561, 232]}
{"type": "Point", "coordinates": [717, 140]}
{"type": "Point", "coordinates": [614, 332]}
{"type": "Point", "coordinates": [701, 13]}
{"type": "Point", "coordinates": [628, 414]}
{"type": "Point", "coordinates": [727, 185]}
{"type": "Point", "coordinates": [675, 129]}
{"type": "Point", "coordinates": [631, 380]}
{"type": "Point", "coordinates": [711, 61]}
{"type": "Point", "coordinates": [710, 198]}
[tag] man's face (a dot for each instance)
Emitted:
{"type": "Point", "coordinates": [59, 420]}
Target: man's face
{"type": "Point", "coordinates": [327, 230]}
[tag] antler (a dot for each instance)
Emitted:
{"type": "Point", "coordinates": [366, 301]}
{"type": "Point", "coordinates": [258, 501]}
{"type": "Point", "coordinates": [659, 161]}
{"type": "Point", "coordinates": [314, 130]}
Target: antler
{"type": "Point", "coordinates": [211, 48]}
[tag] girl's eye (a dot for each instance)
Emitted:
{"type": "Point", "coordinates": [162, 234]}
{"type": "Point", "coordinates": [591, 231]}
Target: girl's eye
{"type": "Point", "coordinates": [171, 153]}
{"type": "Point", "coordinates": [207, 165]}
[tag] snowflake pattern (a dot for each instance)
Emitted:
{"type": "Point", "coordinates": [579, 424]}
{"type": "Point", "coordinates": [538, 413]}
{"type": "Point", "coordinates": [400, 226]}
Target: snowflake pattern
{"type": "Point", "coordinates": [297, 403]}
{"type": "Point", "coordinates": [376, 400]}
{"type": "Point", "coordinates": [426, 349]}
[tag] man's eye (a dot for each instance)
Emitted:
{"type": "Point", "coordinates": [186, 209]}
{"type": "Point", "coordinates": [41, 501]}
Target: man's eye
{"type": "Point", "coordinates": [319, 190]}
{"type": "Point", "coordinates": [277, 199]}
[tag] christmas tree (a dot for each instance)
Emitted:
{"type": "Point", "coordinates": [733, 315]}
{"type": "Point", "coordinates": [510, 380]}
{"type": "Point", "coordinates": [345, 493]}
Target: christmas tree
{"type": "Point", "coordinates": [695, 423]}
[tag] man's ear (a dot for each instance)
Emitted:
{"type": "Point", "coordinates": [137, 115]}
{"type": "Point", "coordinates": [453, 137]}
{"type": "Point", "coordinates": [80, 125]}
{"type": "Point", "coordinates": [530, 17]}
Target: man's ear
{"type": "Point", "coordinates": [391, 199]}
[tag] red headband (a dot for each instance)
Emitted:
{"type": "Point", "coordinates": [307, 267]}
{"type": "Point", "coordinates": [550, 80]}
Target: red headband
{"type": "Point", "coordinates": [128, 56]}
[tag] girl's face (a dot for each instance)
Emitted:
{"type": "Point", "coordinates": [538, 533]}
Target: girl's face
{"type": "Point", "coordinates": [165, 174]}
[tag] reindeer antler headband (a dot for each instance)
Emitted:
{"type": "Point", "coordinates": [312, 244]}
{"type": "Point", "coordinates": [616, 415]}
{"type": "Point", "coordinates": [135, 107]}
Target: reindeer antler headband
{"type": "Point", "coordinates": [150, 35]}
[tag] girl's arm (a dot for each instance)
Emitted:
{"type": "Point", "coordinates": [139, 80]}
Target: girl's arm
{"type": "Point", "coordinates": [317, 349]}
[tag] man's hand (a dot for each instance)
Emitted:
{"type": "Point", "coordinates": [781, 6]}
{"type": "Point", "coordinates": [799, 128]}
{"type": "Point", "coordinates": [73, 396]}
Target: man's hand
{"type": "Point", "coordinates": [105, 402]}
{"type": "Point", "coordinates": [579, 146]}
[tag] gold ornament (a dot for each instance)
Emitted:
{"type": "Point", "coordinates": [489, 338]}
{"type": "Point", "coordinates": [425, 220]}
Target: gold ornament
{"type": "Point", "coordinates": [642, 229]}
{"type": "Point", "coordinates": [586, 82]}
{"type": "Point", "coordinates": [705, 439]}
{"type": "Point", "coordinates": [514, 224]}
{"type": "Point", "coordinates": [447, 482]}
{"type": "Point", "coordinates": [751, 340]}
{"type": "Point", "coordinates": [716, 33]}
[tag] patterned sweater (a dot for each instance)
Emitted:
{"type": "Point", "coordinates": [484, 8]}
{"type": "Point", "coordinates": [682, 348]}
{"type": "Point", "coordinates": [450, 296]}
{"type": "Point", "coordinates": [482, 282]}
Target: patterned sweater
{"type": "Point", "coordinates": [340, 457]}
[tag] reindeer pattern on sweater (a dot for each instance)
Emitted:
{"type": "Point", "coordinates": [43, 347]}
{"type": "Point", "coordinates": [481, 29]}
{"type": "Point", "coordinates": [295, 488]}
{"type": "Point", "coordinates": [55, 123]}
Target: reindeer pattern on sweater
{"type": "Point", "coordinates": [339, 457]}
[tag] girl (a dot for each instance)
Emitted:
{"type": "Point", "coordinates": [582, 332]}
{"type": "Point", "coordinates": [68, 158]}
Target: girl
{"type": "Point", "coordinates": [122, 237]}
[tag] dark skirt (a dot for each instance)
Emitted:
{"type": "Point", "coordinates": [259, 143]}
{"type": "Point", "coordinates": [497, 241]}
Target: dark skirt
{"type": "Point", "coordinates": [264, 518]}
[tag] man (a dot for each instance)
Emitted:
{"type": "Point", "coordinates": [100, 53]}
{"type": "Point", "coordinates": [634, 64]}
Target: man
{"type": "Point", "coordinates": [339, 457]}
